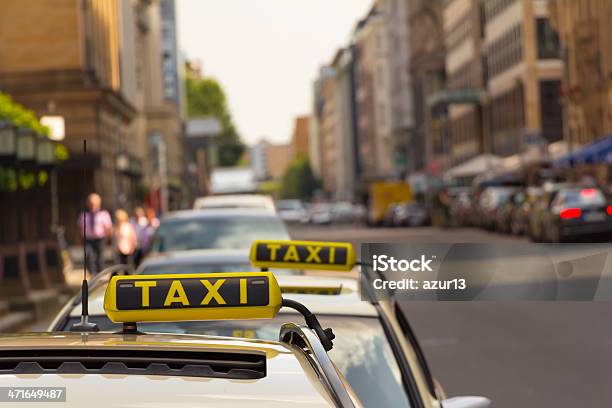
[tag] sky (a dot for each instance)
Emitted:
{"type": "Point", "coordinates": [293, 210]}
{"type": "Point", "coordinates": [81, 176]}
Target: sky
{"type": "Point", "coordinates": [266, 54]}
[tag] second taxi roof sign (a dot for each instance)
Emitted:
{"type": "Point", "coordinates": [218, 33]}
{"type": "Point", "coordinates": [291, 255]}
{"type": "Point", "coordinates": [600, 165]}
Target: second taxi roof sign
{"type": "Point", "coordinates": [335, 256]}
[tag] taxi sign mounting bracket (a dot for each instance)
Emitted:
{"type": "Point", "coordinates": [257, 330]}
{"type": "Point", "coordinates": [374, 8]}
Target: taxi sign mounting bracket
{"type": "Point", "coordinates": [326, 336]}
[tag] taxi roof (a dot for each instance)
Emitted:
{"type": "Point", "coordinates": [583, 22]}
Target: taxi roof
{"type": "Point", "coordinates": [347, 302]}
{"type": "Point", "coordinates": [288, 379]}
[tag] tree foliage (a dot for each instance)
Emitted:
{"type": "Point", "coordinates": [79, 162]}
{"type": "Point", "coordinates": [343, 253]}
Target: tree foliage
{"type": "Point", "coordinates": [299, 180]}
{"type": "Point", "coordinates": [205, 97]}
{"type": "Point", "coordinates": [20, 116]}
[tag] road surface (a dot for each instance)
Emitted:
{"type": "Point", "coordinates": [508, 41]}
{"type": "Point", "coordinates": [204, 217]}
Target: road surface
{"type": "Point", "coordinates": [519, 354]}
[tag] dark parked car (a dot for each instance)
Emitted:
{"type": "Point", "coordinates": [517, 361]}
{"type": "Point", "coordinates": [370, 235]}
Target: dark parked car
{"type": "Point", "coordinates": [505, 214]}
{"type": "Point", "coordinates": [519, 224]}
{"type": "Point", "coordinates": [577, 212]}
{"type": "Point", "coordinates": [541, 207]}
{"type": "Point", "coordinates": [491, 200]}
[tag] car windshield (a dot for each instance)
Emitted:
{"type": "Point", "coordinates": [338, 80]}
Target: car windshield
{"type": "Point", "coordinates": [361, 350]}
{"type": "Point", "coordinates": [199, 267]}
{"type": "Point", "coordinates": [581, 197]}
{"type": "Point", "coordinates": [235, 232]}
{"type": "Point", "coordinates": [289, 205]}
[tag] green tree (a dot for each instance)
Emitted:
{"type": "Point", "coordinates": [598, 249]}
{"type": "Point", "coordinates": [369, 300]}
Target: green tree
{"type": "Point", "coordinates": [205, 97]}
{"type": "Point", "coordinates": [299, 180]}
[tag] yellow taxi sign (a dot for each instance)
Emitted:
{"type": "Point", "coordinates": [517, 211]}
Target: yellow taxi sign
{"type": "Point", "coordinates": [183, 297]}
{"type": "Point", "coordinates": [334, 256]}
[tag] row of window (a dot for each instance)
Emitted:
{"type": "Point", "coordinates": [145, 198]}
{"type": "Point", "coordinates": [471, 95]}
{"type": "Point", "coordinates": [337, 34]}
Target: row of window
{"type": "Point", "coordinates": [507, 121]}
{"type": "Point", "coordinates": [464, 77]}
{"type": "Point", "coordinates": [494, 7]}
{"type": "Point", "coordinates": [505, 52]}
{"type": "Point", "coordinates": [461, 31]}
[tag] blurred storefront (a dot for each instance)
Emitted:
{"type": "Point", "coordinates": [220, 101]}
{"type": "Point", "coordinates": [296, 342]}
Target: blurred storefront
{"type": "Point", "coordinates": [110, 69]}
{"type": "Point", "coordinates": [29, 161]}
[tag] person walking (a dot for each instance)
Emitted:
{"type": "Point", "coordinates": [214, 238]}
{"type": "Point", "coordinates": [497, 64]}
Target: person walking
{"type": "Point", "coordinates": [140, 223]}
{"type": "Point", "coordinates": [125, 237]}
{"type": "Point", "coordinates": [95, 225]}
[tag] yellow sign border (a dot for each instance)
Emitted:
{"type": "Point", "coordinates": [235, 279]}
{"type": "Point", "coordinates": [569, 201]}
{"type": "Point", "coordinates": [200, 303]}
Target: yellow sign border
{"type": "Point", "coordinates": [348, 266]}
{"type": "Point", "coordinates": [193, 314]}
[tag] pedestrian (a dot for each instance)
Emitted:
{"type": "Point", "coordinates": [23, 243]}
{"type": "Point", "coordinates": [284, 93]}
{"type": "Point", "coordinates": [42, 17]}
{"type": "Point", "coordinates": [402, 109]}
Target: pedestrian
{"type": "Point", "coordinates": [153, 220]}
{"type": "Point", "coordinates": [140, 223]}
{"type": "Point", "coordinates": [95, 225]}
{"type": "Point", "coordinates": [149, 231]}
{"type": "Point", "coordinates": [125, 237]}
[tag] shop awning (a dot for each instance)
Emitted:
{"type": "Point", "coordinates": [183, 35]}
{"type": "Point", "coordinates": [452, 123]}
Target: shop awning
{"type": "Point", "coordinates": [599, 151]}
{"type": "Point", "coordinates": [473, 167]}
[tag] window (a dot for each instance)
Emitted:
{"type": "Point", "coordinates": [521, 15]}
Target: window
{"type": "Point", "coordinates": [551, 110]}
{"type": "Point", "coordinates": [505, 52]}
{"type": "Point", "coordinates": [548, 40]}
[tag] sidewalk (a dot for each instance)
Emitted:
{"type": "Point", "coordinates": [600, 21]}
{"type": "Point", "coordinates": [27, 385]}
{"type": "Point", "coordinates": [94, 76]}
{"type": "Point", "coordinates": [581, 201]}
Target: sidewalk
{"type": "Point", "coordinates": [35, 312]}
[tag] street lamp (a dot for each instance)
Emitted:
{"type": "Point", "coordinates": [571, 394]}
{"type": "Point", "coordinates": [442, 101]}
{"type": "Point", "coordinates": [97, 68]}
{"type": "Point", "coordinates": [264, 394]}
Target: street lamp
{"type": "Point", "coordinates": [8, 142]}
{"type": "Point", "coordinates": [45, 152]}
{"type": "Point", "coordinates": [123, 162]}
{"type": "Point", "coordinates": [26, 146]}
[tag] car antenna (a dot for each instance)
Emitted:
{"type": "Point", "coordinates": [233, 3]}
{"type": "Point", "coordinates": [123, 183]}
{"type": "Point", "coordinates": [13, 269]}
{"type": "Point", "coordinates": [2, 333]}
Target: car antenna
{"type": "Point", "coordinates": [84, 325]}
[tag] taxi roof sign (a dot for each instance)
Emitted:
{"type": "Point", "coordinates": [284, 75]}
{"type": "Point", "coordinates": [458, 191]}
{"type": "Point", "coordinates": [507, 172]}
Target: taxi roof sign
{"type": "Point", "coordinates": [329, 256]}
{"type": "Point", "coordinates": [184, 297]}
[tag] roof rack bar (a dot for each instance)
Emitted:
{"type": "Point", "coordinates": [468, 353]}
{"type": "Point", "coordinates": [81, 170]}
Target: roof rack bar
{"type": "Point", "coordinates": [306, 339]}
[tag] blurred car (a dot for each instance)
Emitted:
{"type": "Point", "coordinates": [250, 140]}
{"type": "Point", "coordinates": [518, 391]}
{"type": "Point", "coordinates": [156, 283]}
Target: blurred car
{"type": "Point", "coordinates": [389, 217]}
{"type": "Point", "coordinates": [519, 223]}
{"type": "Point", "coordinates": [292, 211]}
{"type": "Point", "coordinates": [374, 328]}
{"type": "Point", "coordinates": [541, 207]}
{"type": "Point", "coordinates": [461, 209]}
{"type": "Point", "coordinates": [235, 201]}
{"type": "Point", "coordinates": [410, 215]}
{"type": "Point", "coordinates": [203, 261]}
{"type": "Point", "coordinates": [577, 212]}
{"type": "Point", "coordinates": [505, 214]}
{"type": "Point", "coordinates": [321, 214]}
{"type": "Point", "coordinates": [491, 200]}
{"type": "Point", "coordinates": [343, 213]}
{"type": "Point", "coordinates": [160, 365]}
{"type": "Point", "coordinates": [216, 229]}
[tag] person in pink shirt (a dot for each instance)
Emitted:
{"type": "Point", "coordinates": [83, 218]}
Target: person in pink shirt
{"type": "Point", "coordinates": [95, 225]}
{"type": "Point", "coordinates": [126, 240]}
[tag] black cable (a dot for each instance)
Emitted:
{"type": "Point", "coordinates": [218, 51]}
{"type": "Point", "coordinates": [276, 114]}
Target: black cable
{"type": "Point", "coordinates": [325, 335]}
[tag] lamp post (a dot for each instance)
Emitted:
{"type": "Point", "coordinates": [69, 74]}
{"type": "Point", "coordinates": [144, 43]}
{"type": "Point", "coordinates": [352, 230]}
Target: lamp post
{"type": "Point", "coordinates": [8, 142]}
{"type": "Point", "coordinates": [45, 152]}
{"type": "Point", "coordinates": [57, 127]}
{"type": "Point", "coordinates": [26, 146]}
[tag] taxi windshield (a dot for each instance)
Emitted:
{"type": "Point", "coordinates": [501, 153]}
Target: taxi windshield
{"type": "Point", "coordinates": [204, 267]}
{"type": "Point", "coordinates": [233, 232]}
{"type": "Point", "coordinates": [361, 350]}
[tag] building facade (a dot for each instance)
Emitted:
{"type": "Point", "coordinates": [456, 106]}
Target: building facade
{"type": "Point", "coordinates": [524, 71]}
{"type": "Point", "coordinates": [373, 95]}
{"type": "Point", "coordinates": [429, 142]}
{"type": "Point", "coordinates": [395, 13]}
{"type": "Point", "coordinates": [91, 62]}
{"type": "Point", "coordinates": [585, 30]}
{"type": "Point", "coordinates": [346, 165]}
{"type": "Point", "coordinates": [300, 138]}
{"type": "Point", "coordinates": [270, 161]}
{"type": "Point", "coordinates": [465, 79]}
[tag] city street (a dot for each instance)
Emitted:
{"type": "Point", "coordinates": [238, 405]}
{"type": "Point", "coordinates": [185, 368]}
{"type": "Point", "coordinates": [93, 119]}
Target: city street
{"type": "Point", "coordinates": [516, 353]}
